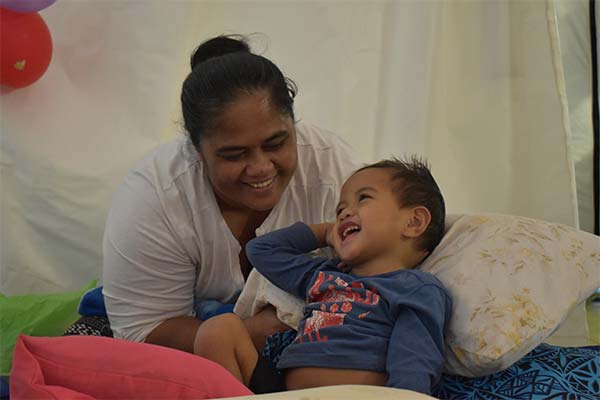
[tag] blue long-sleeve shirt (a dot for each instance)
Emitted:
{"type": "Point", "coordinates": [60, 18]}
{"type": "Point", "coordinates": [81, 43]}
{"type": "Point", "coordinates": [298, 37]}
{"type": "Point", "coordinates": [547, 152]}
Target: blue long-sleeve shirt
{"type": "Point", "coordinates": [392, 322]}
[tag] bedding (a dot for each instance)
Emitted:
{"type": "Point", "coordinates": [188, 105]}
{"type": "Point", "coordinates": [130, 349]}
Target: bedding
{"type": "Point", "coordinates": [90, 367]}
{"type": "Point", "coordinates": [547, 372]}
{"type": "Point", "coordinates": [96, 367]}
{"type": "Point", "coordinates": [344, 392]}
{"type": "Point", "coordinates": [512, 279]}
{"type": "Point", "coordinates": [90, 325]}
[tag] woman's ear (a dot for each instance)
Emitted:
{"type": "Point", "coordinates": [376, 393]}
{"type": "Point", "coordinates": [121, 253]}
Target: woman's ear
{"type": "Point", "coordinates": [418, 222]}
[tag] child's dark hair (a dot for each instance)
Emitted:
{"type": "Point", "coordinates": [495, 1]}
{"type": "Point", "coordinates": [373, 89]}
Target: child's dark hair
{"type": "Point", "coordinates": [414, 185]}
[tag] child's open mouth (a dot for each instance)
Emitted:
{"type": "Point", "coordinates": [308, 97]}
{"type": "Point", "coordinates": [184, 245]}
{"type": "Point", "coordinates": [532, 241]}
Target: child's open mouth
{"type": "Point", "coordinates": [347, 230]}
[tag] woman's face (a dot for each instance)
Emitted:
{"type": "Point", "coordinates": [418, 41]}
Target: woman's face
{"type": "Point", "coordinates": [251, 155]}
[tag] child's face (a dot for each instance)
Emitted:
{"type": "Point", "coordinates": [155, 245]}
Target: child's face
{"type": "Point", "coordinates": [370, 223]}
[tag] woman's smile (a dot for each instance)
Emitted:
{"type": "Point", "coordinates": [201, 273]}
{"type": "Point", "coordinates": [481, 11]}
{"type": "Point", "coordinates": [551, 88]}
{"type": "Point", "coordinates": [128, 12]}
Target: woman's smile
{"type": "Point", "coordinates": [262, 185]}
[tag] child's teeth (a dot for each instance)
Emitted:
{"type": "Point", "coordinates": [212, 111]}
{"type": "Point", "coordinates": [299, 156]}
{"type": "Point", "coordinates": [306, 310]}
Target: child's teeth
{"type": "Point", "coordinates": [348, 230]}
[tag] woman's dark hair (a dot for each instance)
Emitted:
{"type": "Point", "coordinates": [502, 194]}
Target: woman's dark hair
{"type": "Point", "coordinates": [414, 185]}
{"type": "Point", "coordinates": [222, 68]}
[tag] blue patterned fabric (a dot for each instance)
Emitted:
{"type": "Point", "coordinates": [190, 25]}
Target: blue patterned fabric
{"type": "Point", "coordinates": [548, 372]}
{"type": "Point", "coordinates": [276, 343]}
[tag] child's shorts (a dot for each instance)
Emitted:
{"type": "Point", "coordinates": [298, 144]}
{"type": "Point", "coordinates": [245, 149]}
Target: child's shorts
{"type": "Point", "coordinates": [266, 378]}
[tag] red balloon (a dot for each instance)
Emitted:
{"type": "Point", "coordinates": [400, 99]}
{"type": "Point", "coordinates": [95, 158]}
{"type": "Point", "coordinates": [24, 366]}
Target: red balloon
{"type": "Point", "coordinates": [25, 48]}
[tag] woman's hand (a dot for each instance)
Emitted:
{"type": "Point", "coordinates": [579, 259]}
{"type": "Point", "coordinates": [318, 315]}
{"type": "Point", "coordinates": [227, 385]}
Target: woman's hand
{"type": "Point", "coordinates": [262, 325]}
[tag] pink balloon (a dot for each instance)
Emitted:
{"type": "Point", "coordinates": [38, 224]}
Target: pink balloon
{"type": "Point", "coordinates": [25, 6]}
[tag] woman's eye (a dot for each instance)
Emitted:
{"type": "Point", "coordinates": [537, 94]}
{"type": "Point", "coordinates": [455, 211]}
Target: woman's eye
{"type": "Point", "coordinates": [362, 197]}
{"type": "Point", "coordinates": [273, 146]}
{"type": "Point", "coordinates": [233, 156]}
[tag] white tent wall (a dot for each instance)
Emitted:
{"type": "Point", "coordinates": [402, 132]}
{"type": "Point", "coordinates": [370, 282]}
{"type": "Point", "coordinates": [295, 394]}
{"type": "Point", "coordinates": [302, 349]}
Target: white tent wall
{"type": "Point", "coordinates": [331, 49]}
{"type": "Point", "coordinates": [68, 139]}
{"type": "Point", "coordinates": [481, 100]}
{"type": "Point", "coordinates": [574, 32]}
{"type": "Point", "coordinates": [473, 86]}
{"type": "Point", "coordinates": [572, 18]}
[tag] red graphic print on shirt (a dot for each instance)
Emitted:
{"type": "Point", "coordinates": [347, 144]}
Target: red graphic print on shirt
{"type": "Point", "coordinates": [355, 292]}
{"type": "Point", "coordinates": [318, 320]}
{"type": "Point", "coordinates": [340, 296]}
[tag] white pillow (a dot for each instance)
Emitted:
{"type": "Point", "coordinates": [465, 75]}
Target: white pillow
{"type": "Point", "coordinates": [513, 280]}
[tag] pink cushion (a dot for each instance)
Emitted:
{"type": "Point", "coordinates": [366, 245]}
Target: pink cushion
{"type": "Point", "coordinates": [93, 367]}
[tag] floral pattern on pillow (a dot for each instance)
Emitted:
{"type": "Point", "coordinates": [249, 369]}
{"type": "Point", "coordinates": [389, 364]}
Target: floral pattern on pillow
{"type": "Point", "coordinates": [513, 281]}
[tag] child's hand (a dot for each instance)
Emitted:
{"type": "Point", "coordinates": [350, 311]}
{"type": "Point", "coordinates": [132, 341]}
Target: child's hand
{"type": "Point", "coordinates": [326, 236]}
{"type": "Point", "coordinates": [324, 233]}
{"type": "Point", "coordinates": [330, 234]}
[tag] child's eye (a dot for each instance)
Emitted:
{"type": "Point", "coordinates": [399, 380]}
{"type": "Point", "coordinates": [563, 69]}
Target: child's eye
{"type": "Point", "coordinates": [338, 212]}
{"type": "Point", "coordinates": [363, 196]}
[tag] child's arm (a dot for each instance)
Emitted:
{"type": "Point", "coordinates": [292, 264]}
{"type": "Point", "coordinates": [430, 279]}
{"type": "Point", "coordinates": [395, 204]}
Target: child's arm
{"type": "Point", "coordinates": [416, 350]}
{"type": "Point", "coordinates": [281, 256]}
{"type": "Point", "coordinates": [322, 233]}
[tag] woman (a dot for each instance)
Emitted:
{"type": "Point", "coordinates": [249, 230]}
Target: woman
{"type": "Point", "coordinates": [180, 221]}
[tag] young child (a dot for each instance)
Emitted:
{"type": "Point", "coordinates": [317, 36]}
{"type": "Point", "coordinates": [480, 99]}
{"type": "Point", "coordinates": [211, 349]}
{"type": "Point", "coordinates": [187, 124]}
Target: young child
{"type": "Point", "coordinates": [370, 317]}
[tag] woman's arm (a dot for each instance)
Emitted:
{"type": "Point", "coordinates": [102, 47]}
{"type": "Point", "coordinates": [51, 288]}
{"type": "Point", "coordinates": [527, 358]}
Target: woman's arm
{"type": "Point", "coordinates": [148, 277]}
{"type": "Point", "coordinates": [262, 325]}
{"type": "Point", "coordinates": [178, 333]}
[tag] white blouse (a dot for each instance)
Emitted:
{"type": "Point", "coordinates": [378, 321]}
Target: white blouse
{"type": "Point", "coordinates": [166, 242]}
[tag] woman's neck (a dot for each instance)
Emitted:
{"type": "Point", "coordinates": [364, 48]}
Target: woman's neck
{"type": "Point", "coordinates": [243, 224]}
{"type": "Point", "coordinates": [242, 221]}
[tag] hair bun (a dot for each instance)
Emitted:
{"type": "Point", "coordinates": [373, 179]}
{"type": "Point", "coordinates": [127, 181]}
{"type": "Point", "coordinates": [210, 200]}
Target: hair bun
{"type": "Point", "coordinates": [219, 46]}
